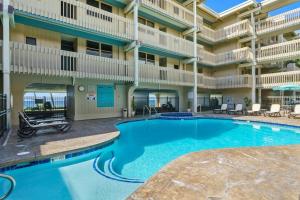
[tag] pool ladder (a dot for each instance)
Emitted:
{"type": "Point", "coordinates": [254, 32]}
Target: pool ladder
{"type": "Point", "coordinates": [149, 109]}
{"type": "Point", "coordinates": [12, 185]}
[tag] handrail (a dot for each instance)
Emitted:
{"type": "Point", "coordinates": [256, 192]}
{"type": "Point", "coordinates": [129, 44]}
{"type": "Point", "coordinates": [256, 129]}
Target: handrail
{"type": "Point", "coordinates": [147, 107]}
{"type": "Point", "coordinates": [12, 186]}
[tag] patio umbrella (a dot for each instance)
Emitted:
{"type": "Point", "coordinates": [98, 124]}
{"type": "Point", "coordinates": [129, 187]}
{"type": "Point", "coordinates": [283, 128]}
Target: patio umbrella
{"type": "Point", "coordinates": [288, 87]}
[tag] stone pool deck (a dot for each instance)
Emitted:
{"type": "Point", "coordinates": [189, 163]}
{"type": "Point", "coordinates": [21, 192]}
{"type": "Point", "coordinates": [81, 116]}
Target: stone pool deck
{"type": "Point", "coordinates": [268, 173]}
{"type": "Point", "coordinates": [249, 173]}
{"type": "Point", "coordinates": [83, 134]}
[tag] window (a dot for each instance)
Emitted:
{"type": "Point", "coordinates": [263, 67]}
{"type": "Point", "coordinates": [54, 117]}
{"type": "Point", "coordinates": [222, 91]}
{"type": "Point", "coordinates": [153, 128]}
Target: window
{"type": "Point", "coordinates": [93, 3]}
{"type": "Point", "coordinates": [92, 48]}
{"type": "Point", "coordinates": [68, 63]}
{"type": "Point", "coordinates": [146, 22]}
{"type": "Point", "coordinates": [67, 45]}
{"type": "Point", "coordinates": [163, 62]}
{"type": "Point", "coordinates": [106, 7]}
{"type": "Point", "coordinates": [146, 58]}
{"type": "Point", "coordinates": [106, 50]}
{"type": "Point", "coordinates": [31, 41]}
{"type": "Point", "coordinates": [68, 10]}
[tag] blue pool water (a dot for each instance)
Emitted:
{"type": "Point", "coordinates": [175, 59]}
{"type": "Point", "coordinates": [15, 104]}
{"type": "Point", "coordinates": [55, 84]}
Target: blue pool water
{"type": "Point", "coordinates": [143, 148]}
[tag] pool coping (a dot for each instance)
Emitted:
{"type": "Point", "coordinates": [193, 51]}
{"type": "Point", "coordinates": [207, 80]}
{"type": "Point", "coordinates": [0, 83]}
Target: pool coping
{"type": "Point", "coordinates": [41, 159]}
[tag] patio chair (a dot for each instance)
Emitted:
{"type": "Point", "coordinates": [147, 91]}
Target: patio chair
{"type": "Point", "coordinates": [296, 112]}
{"type": "Point", "coordinates": [238, 109]}
{"type": "Point", "coordinates": [222, 109]}
{"type": "Point", "coordinates": [274, 111]}
{"type": "Point", "coordinates": [255, 109]}
{"type": "Point", "coordinates": [28, 129]}
{"type": "Point", "coordinates": [37, 121]}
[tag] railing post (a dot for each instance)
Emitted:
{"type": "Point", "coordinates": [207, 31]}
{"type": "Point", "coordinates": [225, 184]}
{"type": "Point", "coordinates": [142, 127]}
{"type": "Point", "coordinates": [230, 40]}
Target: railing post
{"type": "Point", "coordinates": [136, 48]}
{"type": "Point", "coordinates": [6, 61]}
{"type": "Point", "coordinates": [195, 57]}
{"type": "Point", "coordinates": [253, 69]}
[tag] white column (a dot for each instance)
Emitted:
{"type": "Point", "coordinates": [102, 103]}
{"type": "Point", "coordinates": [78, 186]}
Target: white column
{"type": "Point", "coordinates": [253, 95]}
{"type": "Point", "coordinates": [136, 48]}
{"type": "Point", "coordinates": [195, 58]}
{"type": "Point", "coordinates": [6, 60]}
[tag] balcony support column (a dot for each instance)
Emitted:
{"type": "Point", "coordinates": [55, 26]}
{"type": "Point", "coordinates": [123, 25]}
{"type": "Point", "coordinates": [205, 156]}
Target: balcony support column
{"type": "Point", "coordinates": [253, 68]}
{"type": "Point", "coordinates": [136, 48]}
{"type": "Point", "coordinates": [6, 61]}
{"type": "Point", "coordinates": [195, 92]}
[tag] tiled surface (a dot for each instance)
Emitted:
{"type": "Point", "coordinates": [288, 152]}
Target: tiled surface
{"type": "Point", "coordinates": [269, 173]}
{"type": "Point", "coordinates": [83, 134]}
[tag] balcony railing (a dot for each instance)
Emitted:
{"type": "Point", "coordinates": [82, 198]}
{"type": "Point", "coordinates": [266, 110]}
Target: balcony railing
{"type": "Point", "coordinates": [232, 31]}
{"type": "Point", "coordinates": [278, 22]}
{"type": "Point", "coordinates": [238, 81]}
{"type": "Point", "coordinates": [173, 10]}
{"type": "Point", "coordinates": [154, 37]}
{"type": "Point", "coordinates": [28, 59]}
{"type": "Point", "coordinates": [279, 52]}
{"type": "Point", "coordinates": [150, 73]}
{"type": "Point", "coordinates": [80, 14]}
{"type": "Point", "coordinates": [234, 56]}
{"type": "Point", "coordinates": [278, 79]}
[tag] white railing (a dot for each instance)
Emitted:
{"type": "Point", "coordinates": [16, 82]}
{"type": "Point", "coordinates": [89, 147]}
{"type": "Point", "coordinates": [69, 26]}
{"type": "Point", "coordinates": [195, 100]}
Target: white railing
{"type": "Point", "coordinates": [278, 79]}
{"type": "Point", "coordinates": [236, 55]}
{"type": "Point", "coordinates": [228, 32]}
{"type": "Point", "coordinates": [154, 37]}
{"type": "Point", "coordinates": [28, 59]}
{"type": "Point", "coordinates": [282, 21]}
{"type": "Point", "coordinates": [77, 13]}
{"type": "Point", "coordinates": [150, 73]}
{"type": "Point", "coordinates": [279, 52]}
{"type": "Point", "coordinates": [172, 9]}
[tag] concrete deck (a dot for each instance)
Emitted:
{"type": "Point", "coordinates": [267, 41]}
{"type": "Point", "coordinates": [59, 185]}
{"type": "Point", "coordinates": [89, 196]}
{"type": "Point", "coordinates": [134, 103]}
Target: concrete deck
{"type": "Point", "coordinates": [253, 173]}
{"type": "Point", "coordinates": [83, 134]}
{"type": "Point", "coordinates": [269, 173]}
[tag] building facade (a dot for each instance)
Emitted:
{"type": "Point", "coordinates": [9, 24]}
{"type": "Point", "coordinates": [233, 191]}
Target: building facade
{"type": "Point", "coordinates": [107, 54]}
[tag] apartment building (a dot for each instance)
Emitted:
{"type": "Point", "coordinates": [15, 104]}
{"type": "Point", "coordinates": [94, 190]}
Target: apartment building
{"type": "Point", "coordinates": [105, 54]}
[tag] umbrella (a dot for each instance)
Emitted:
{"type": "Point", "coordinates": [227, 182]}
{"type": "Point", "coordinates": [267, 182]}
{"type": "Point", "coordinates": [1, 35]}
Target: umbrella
{"type": "Point", "coordinates": [290, 87]}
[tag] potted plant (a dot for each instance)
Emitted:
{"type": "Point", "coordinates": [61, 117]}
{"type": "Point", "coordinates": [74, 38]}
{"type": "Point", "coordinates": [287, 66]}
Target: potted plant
{"type": "Point", "coordinates": [247, 102]}
{"type": "Point", "coordinates": [132, 108]}
{"type": "Point", "coordinates": [189, 106]}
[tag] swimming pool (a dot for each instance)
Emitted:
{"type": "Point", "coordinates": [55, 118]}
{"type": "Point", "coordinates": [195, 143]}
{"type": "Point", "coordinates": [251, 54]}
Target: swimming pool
{"type": "Point", "coordinates": [143, 148]}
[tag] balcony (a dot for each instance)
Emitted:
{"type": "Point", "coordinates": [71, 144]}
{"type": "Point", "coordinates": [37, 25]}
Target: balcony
{"type": "Point", "coordinates": [238, 81]}
{"type": "Point", "coordinates": [28, 59]}
{"type": "Point", "coordinates": [150, 73]}
{"type": "Point", "coordinates": [156, 39]}
{"type": "Point", "coordinates": [230, 57]}
{"type": "Point", "coordinates": [236, 30]}
{"type": "Point", "coordinates": [284, 22]}
{"type": "Point", "coordinates": [279, 52]}
{"type": "Point", "coordinates": [266, 81]}
{"type": "Point", "coordinates": [71, 15]}
{"type": "Point", "coordinates": [181, 16]}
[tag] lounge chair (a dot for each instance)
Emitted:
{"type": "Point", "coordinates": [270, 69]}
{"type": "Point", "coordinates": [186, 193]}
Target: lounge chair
{"type": "Point", "coordinates": [222, 109]}
{"type": "Point", "coordinates": [238, 109]}
{"type": "Point", "coordinates": [274, 111]}
{"type": "Point", "coordinates": [255, 109]}
{"type": "Point", "coordinates": [38, 121]}
{"type": "Point", "coordinates": [29, 128]}
{"type": "Point", "coordinates": [296, 112]}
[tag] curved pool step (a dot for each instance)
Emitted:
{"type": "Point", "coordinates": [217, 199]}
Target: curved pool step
{"type": "Point", "coordinates": [103, 166]}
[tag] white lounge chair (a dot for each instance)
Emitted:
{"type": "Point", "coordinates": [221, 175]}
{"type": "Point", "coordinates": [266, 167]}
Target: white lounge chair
{"type": "Point", "coordinates": [296, 112]}
{"type": "Point", "coordinates": [222, 109]}
{"type": "Point", "coordinates": [274, 111]}
{"type": "Point", "coordinates": [238, 109]}
{"type": "Point", "coordinates": [255, 109]}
